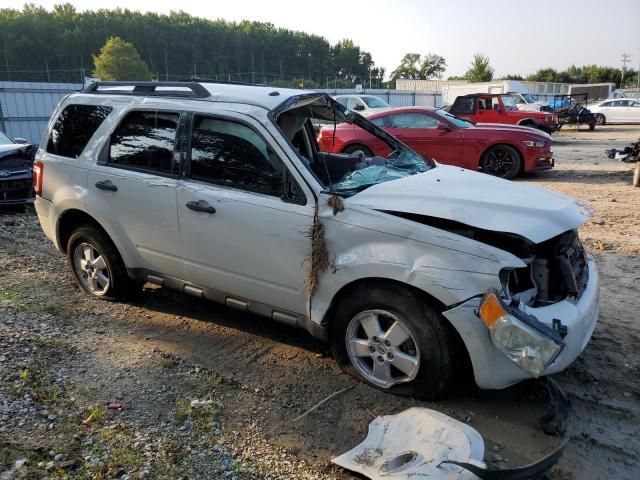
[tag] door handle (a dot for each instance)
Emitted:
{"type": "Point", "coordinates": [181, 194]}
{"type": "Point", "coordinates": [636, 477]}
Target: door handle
{"type": "Point", "coordinates": [201, 206]}
{"type": "Point", "coordinates": [106, 185]}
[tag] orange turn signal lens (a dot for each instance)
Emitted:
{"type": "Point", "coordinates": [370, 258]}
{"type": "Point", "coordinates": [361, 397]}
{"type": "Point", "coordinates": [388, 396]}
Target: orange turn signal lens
{"type": "Point", "coordinates": [491, 309]}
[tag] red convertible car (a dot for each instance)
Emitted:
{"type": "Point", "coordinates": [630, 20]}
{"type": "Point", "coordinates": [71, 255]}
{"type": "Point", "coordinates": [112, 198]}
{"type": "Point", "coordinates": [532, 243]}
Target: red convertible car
{"type": "Point", "coordinates": [502, 150]}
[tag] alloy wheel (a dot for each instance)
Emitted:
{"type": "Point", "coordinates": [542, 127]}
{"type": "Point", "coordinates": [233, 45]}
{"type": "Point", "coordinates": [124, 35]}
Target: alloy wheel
{"type": "Point", "coordinates": [382, 348]}
{"type": "Point", "coordinates": [498, 162]}
{"type": "Point", "coordinates": [91, 268]}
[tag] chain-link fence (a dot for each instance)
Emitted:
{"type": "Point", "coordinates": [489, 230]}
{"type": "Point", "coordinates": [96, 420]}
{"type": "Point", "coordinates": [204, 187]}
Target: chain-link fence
{"type": "Point", "coordinates": [25, 74]}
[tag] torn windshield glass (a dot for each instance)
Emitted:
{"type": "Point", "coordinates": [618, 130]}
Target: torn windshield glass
{"type": "Point", "coordinates": [300, 117]}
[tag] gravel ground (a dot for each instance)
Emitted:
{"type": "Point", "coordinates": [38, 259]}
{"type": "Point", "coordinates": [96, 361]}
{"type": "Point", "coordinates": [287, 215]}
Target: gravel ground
{"type": "Point", "coordinates": [67, 362]}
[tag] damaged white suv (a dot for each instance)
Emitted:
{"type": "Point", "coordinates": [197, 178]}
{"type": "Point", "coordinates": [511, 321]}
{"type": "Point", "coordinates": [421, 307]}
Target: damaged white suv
{"type": "Point", "coordinates": [405, 266]}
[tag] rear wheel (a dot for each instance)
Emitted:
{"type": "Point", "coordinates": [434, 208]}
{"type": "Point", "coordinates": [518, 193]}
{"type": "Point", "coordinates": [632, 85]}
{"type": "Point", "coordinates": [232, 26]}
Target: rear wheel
{"type": "Point", "coordinates": [388, 337]}
{"type": "Point", "coordinates": [358, 148]}
{"type": "Point", "coordinates": [97, 266]}
{"type": "Point", "coordinates": [600, 119]}
{"type": "Point", "coordinates": [502, 161]}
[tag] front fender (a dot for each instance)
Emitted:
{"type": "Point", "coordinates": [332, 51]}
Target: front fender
{"type": "Point", "coordinates": [365, 243]}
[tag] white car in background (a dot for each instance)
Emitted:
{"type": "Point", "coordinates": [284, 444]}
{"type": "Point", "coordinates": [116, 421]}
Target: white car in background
{"type": "Point", "coordinates": [363, 104]}
{"type": "Point", "coordinates": [617, 111]}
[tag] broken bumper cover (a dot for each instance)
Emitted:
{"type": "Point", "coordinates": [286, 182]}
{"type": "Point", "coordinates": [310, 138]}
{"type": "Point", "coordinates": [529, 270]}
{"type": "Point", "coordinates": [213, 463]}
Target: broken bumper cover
{"type": "Point", "coordinates": [492, 369]}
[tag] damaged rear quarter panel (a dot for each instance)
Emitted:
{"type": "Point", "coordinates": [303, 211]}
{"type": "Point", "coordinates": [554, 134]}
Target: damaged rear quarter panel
{"type": "Point", "coordinates": [364, 243]}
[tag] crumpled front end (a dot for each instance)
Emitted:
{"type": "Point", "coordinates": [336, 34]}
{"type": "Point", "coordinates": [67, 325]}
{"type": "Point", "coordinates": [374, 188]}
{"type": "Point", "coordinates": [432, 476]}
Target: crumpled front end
{"type": "Point", "coordinates": [539, 322]}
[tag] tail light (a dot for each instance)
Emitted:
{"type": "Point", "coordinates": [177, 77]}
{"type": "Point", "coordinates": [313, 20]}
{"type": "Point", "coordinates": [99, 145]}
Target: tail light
{"type": "Point", "coordinates": [38, 172]}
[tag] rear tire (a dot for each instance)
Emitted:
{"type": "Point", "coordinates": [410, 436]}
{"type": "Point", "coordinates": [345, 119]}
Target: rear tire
{"type": "Point", "coordinates": [358, 148]}
{"type": "Point", "coordinates": [502, 161]}
{"type": "Point", "coordinates": [98, 267]}
{"type": "Point", "coordinates": [411, 353]}
{"type": "Point", "coordinates": [600, 119]}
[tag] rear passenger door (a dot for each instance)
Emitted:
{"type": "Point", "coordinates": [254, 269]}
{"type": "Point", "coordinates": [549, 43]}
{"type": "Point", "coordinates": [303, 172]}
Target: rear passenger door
{"type": "Point", "coordinates": [132, 188]}
{"type": "Point", "coordinates": [244, 219]}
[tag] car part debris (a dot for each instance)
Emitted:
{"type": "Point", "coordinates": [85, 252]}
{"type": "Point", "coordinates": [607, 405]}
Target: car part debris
{"type": "Point", "coordinates": [628, 154]}
{"type": "Point", "coordinates": [114, 406]}
{"type": "Point", "coordinates": [423, 443]}
{"type": "Point", "coordinates": [519, 473]}
{"type": "Point", "coordinates": [414, 444]}
{"type": "Point", "coordinates": [555, 422]}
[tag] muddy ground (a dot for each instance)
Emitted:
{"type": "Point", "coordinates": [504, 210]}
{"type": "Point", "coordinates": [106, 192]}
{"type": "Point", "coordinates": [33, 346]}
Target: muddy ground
{"type": "Point", "coordinates": [64, 357]}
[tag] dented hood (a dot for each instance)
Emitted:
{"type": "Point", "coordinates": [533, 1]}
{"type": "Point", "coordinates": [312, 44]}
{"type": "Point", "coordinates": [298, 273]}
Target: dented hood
{"type": "Point", "coordinates": [478, 200]}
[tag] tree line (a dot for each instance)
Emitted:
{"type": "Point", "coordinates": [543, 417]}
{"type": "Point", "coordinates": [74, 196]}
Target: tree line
{"type": "Point", "coordinates": [414, 66]}
{"type": "Point", "coordinates": [176, 45]}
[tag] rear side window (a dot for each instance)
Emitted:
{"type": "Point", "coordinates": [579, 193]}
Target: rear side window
{"type": "Point", "coordinates": [144, 140]}
{"type": "Point", "coordinates": [74, 127]}
{"type": "Point", "coordinates": [231, 154]}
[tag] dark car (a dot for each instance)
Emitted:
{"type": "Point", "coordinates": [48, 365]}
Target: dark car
{"type": "Point", "coordinates": [16, 171]}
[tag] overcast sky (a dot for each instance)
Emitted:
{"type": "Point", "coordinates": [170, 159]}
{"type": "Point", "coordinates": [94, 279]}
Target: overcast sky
{"type": "Point", "coordinates": [518, 36]}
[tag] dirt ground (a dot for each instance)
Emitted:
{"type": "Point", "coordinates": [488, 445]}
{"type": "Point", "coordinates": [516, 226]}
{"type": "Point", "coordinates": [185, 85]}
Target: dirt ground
{"type": "Point", "coordinates": [64, 357]}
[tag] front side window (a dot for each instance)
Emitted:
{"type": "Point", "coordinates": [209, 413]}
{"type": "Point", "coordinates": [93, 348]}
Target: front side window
{"type": "Point", "coordinates": [231, 154]}
{"type": "Point", "coordinates": [74, 127]}
{"type": "Point", "coordinates": [145, 140]}
{"type": "Point", "coordinates": [413, 120]}
{"type": "Point", "coordinates": [508, 102]}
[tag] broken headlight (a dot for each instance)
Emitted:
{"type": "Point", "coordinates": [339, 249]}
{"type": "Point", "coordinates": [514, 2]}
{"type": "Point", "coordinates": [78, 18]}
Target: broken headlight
{"type": "Point", "coordinates": [527, 342]}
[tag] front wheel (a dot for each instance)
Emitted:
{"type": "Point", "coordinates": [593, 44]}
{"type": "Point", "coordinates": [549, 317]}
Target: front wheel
{"type": "Point", "coordinates": [97, 266]}
{"type": "Point", "coordinates": [502, 161]}
{"type": "Point", "coordinates": [600, 119]}
{"type": "Point", "coordinates": [388, 337]}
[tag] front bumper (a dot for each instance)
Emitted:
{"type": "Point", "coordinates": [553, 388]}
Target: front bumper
{"type": "Point", "coordinates": [492, 369]}
{"type": "Point", "coordinates": [16, 189]}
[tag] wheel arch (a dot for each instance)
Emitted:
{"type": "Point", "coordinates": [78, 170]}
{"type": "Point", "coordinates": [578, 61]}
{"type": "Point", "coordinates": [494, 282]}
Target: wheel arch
{"type": "Point", "coordinates": [352, 288]}
{"type": "Point", "coordinates": [71, 219]}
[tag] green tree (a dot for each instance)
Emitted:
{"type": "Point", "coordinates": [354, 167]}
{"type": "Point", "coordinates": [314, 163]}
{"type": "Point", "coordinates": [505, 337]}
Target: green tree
{"type": "Point", "coordinates": [119, 60]}
{"type": "Point", "coordinates": [512, 77]}
{"type": "Point", "coordinates": [480, 69]}
{"type": "Point", "coordinates": [433, 66]}
{"type": "Point", "coordinates": [409, 67]}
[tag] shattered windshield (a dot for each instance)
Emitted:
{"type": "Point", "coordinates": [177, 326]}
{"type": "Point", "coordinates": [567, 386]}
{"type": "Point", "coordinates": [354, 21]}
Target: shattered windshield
{"type": "Point", "coordinates": [529, 98]}
{"type": "Point", "coordinates": [339, 171]}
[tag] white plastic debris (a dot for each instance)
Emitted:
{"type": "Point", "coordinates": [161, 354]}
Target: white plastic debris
{"type": "Point", "coordinates": [201, 403]}
{"type": "Point", "coordinates": [412, 444]}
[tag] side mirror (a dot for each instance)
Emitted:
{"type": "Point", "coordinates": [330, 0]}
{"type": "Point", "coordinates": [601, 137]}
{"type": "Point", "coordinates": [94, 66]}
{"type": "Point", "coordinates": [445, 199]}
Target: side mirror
{"type": "Point", "coordinates": [444, 127]}
{"type": "Point", "coordinates": [21, 141]}
{"type": "Point", "coordinates": [358, 107]}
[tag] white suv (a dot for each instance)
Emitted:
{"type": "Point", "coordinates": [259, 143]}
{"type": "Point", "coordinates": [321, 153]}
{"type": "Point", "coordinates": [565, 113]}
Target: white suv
{"type": "Point", "coordinates": [407, 267]}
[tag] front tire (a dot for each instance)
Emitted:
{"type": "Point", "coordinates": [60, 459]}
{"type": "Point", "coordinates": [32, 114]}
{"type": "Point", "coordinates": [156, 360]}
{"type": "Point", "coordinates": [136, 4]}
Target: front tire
{"type": "Point", "coordinates": [386, 336]}
{"type": "Point", "coordinates": [97, 266]}
{"type": "Point", "coordinates": [600, 119]}
{"type": "Point", "coordinates": [502, 161]}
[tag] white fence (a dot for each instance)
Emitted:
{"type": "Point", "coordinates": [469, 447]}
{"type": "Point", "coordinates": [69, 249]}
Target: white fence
{"type": "Point", "coordinates": [25, 107]}
{"type": "Point", "coordinates": [395, 98]}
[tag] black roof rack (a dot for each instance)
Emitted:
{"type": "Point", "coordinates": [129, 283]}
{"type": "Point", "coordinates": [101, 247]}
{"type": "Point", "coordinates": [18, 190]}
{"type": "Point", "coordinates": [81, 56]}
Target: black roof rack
{"type": "Point", "coordinates": [222, 82]}
{"type": "Point", "coordinates": [149, 89]}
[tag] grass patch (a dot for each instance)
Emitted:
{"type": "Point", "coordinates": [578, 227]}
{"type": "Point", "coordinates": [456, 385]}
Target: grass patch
{"type": "Point", "coordinates": [168, 362]}
{"type": "Point", "coordinates": [202, 418]}
{"type": "Point", "coordinates": [95, 415]}
{"type": "Point", "coordinates": [37, 381]}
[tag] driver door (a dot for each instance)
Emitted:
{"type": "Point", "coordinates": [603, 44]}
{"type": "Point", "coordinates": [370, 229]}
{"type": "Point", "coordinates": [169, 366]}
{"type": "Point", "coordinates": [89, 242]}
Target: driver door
{"type": "Point", "coordinates": [241, 235]}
